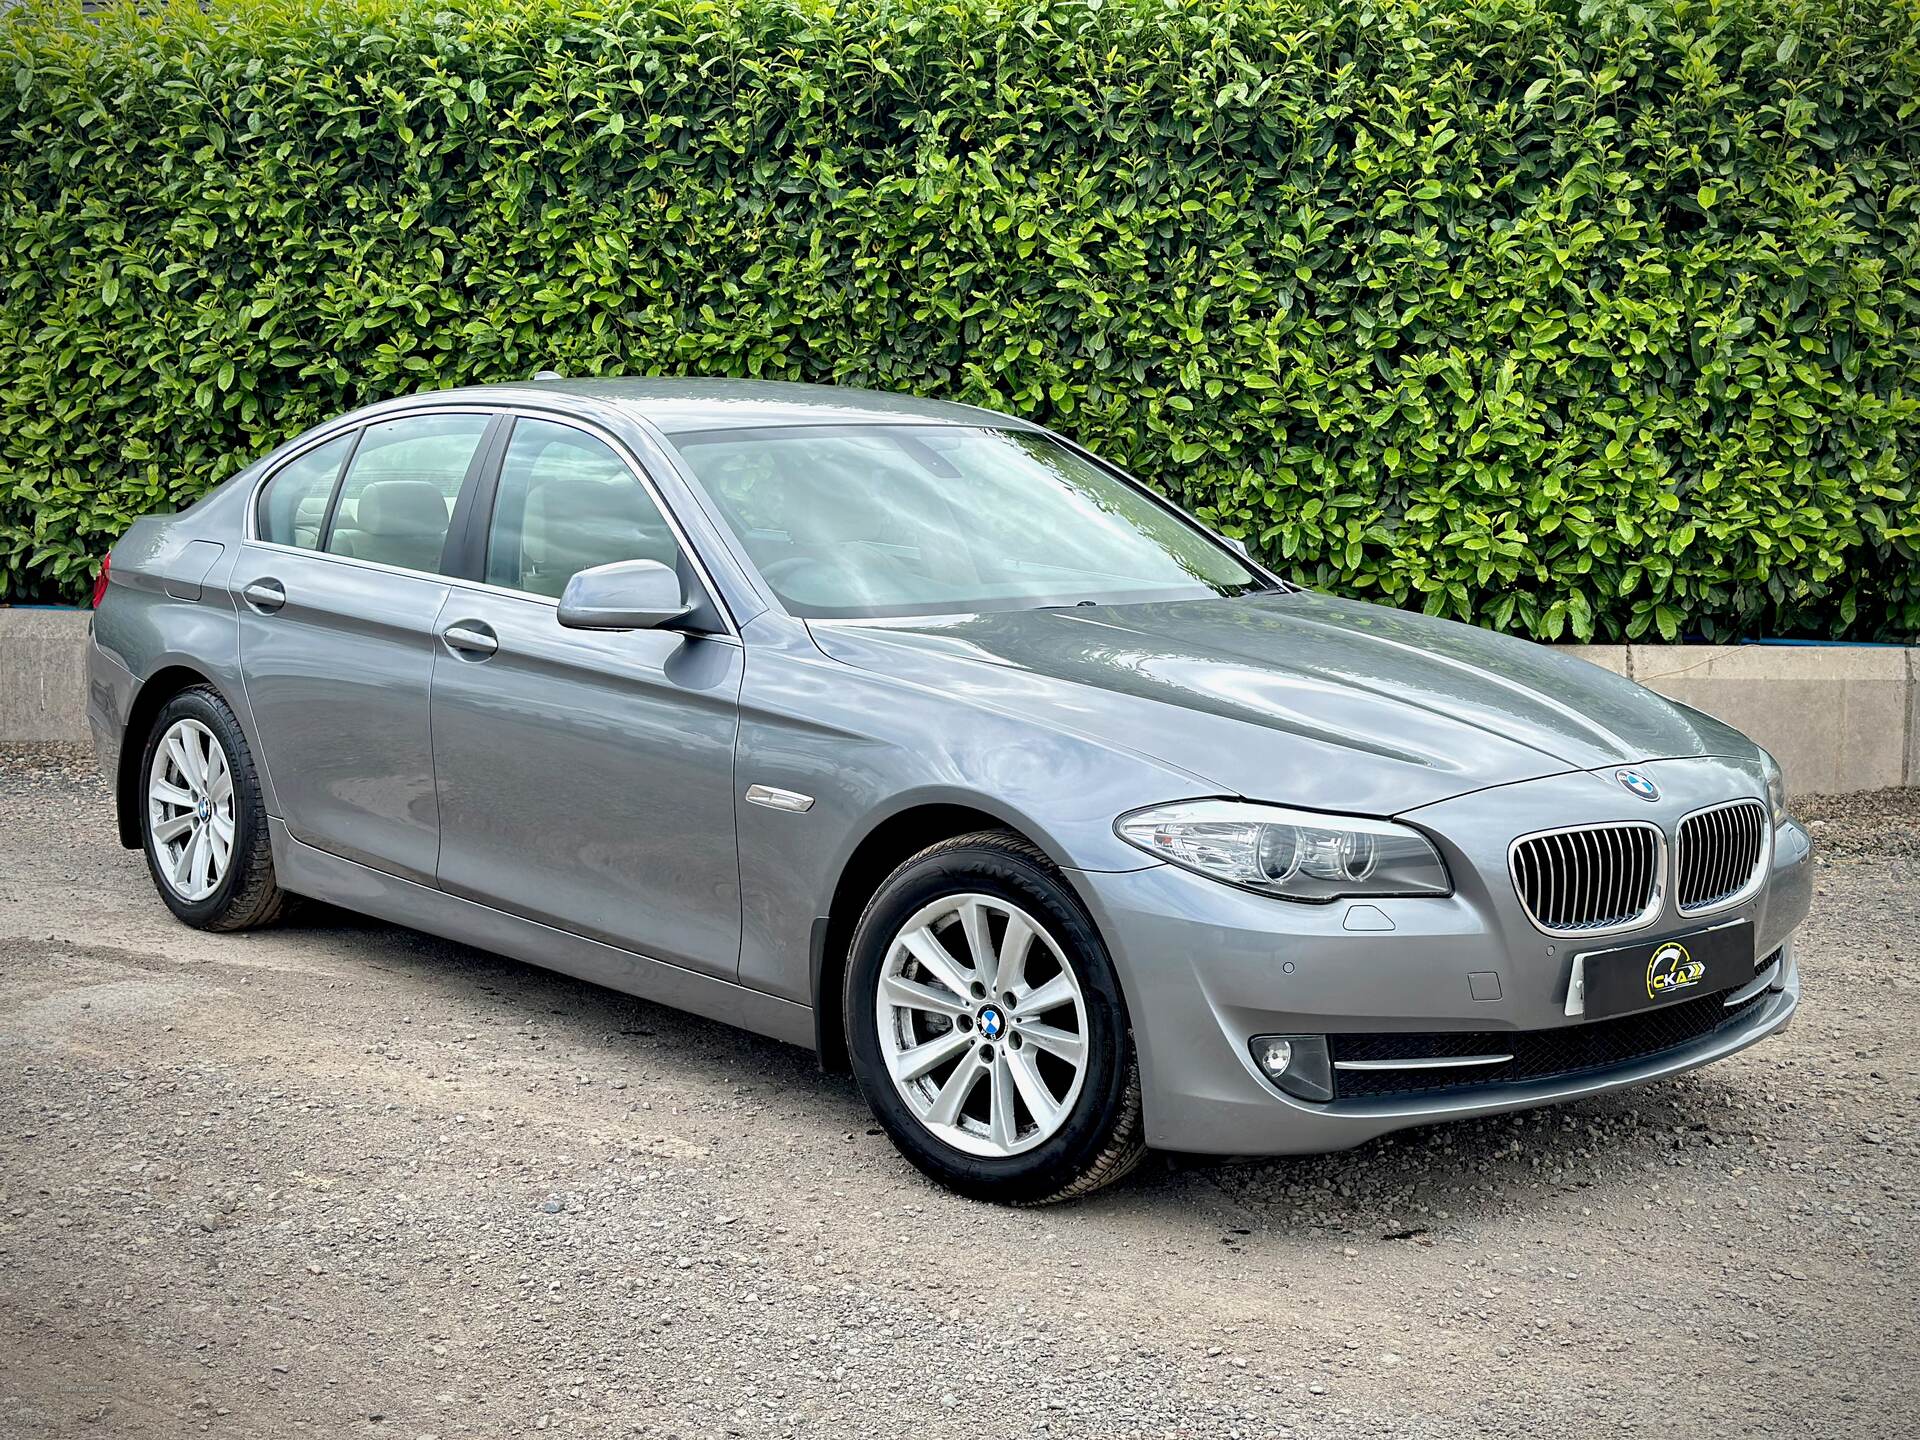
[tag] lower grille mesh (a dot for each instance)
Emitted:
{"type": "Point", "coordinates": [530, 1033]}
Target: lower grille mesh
{"type": "Point", "coordinates": [1537, 1054]}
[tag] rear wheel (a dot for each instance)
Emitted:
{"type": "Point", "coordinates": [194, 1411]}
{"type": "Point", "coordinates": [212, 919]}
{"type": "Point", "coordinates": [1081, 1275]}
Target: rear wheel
{"type": "Point", "coordinates": [986, 1026]}
{"type": "Point", "coordinates": [202, 821]}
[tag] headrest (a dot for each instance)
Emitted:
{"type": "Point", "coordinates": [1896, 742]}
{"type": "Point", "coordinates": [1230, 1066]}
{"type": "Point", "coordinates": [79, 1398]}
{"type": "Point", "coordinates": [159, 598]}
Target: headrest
{"type": "Point", "coordinates": [401, 507]}
{"type": "Point", "coordinates": [588, 502]}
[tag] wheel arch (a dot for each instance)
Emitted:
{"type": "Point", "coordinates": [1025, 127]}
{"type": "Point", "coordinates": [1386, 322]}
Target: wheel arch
{"type": "Point", "coordinates": [890, 840]}
{"type": "Point", "coordinates": [154, 692]}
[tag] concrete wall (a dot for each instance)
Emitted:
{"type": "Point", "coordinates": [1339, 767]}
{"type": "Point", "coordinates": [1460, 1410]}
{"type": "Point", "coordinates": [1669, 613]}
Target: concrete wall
{"type": "Point", "coordinates": [43, 674]}
{"type": "Point", "coordinates": [1836, 717]}
{"type": "Point", "coordinates": [1839, 718]}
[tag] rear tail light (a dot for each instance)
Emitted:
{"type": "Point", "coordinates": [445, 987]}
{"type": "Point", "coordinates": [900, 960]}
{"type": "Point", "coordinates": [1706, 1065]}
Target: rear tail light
{"type": "Point", "coordinates": [100, 580]}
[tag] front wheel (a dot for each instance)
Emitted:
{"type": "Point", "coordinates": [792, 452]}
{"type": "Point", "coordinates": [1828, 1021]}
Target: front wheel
{"type": "Point", "coordinates": [986, 1026]}
{"type": "Point", "coordinates": [202, 819]}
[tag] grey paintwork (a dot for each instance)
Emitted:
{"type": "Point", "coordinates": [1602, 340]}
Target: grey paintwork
{"type": "Point", "coordinates": [577, 798]}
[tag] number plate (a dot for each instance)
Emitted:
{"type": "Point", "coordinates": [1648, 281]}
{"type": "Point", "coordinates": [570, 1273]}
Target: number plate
{"type": "Point", "coordinates": [1667, 972]}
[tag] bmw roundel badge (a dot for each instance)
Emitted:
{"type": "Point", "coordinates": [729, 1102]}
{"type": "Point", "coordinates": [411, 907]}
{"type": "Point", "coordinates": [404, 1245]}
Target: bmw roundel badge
{"type": "Point", "coordinates": [1634, 783]}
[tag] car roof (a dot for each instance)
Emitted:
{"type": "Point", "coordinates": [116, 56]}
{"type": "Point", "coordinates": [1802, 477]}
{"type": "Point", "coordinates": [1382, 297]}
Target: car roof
{"type": "Point", "coordinates": [677, 407]}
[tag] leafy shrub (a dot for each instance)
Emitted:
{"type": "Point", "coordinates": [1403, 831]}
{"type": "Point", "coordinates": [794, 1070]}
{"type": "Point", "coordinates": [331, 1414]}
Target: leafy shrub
{"type": "Point", "coordinates": [1595, 320]}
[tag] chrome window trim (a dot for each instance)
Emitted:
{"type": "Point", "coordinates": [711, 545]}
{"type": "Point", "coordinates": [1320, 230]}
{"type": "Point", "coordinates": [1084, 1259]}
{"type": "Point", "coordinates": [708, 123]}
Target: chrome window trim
{"type": "Point", "coordinates": [1760, 868]}
{"type": "Point", "coordinates": [1646, 917]}
{"type": "Point", "coordinates": [332, 430]}
{"type": "Point", "coordinates": [621, 450]}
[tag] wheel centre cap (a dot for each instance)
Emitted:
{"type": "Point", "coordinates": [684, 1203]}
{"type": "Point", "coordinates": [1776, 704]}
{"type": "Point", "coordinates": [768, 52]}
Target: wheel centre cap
{"type": "Point", "coordinates": [202, 811]}
{"type": "Point", "coordinates": [991, 1021]}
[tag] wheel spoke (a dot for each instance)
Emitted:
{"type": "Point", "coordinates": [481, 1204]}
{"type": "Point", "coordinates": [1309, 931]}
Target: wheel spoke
{"type": "Point", "coordinates": [1040, 1102]}
{"type": "Point", "coordinates": [1057, 991]}
{"type": "Point", "coordinates": [922, 1059]}
{"type": "Point", "coordinates": [925, 947]}
{"type": "Point", "coordinates": [177, 753]}
{"type": "Point", "coordinates": [1002, 1128]}
{"type": "Point", "coordinates": [183, 864]}
{"type": "Point", "coordinates": [953, 1094]}
{"type": "Point", "coordinates": [220, 787]}
{"type": "Point", "coordinates": [973, 921]}
{"type": "Point", "coordinates": [912, 995]}
{"type": "Point", "coordinates": [222, 845]}
{"type": "Point", "coordinates": [166, 830]}
{"type": "Point", "coordinates": [1069, 1047]}
{"type": "Point", "coordinates": [202, 859]}
{"type": "Point", "coordinates": [1010, 967]}
{"type": "Point", "coordinates": [199, 743]}
{"type": "Point", "coordinates": [169, 794]}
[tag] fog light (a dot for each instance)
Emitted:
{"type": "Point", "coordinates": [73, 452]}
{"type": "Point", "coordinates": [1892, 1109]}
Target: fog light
{"type": "Point", "coordinates": [1297, 1064]}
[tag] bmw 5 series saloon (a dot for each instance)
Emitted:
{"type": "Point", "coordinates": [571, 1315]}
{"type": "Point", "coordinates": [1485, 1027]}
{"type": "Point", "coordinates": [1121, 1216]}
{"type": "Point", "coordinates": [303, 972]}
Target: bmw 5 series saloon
{"type": "Point", "coordinates": [918, 735]}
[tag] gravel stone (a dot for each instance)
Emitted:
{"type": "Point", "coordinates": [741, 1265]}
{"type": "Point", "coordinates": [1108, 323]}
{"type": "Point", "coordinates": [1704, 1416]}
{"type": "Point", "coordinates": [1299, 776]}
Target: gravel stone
{"type": "Point", "coordinates": [285, 1182]}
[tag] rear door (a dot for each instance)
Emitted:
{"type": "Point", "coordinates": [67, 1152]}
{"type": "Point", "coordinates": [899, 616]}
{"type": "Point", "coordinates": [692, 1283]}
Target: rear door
{"type": "Point", "coordinates": [585, 778]}
{"type": "Point", "coordinates": [338, 588]}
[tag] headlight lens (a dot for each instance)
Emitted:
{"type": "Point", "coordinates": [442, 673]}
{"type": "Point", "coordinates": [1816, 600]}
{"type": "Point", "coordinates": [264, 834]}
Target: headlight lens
{"type": "Point", "coordinates": [1776, 787]}
{"type": "Point", "coordinates": [1294, 854]}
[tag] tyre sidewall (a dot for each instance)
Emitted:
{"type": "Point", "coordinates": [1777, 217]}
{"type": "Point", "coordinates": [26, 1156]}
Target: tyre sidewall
{"type": "Point", "coordinates": [199, 705]}
{"type": "Point", "coordinates": [989, 870]}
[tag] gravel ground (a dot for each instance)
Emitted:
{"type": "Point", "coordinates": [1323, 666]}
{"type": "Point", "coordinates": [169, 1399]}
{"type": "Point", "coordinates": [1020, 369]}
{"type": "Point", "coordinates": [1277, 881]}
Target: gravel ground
{"type": "Point", "coordinates": [342, 1179]}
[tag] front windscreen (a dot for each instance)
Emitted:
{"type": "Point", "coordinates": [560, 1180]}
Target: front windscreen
{"type": "Point", "coordinates": [865, 521]}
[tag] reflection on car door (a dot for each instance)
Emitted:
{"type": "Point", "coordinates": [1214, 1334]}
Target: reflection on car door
{"type": "Point", "coordinates": [337, 600]}
{"type": "Point", "coordinates": [585, 778]}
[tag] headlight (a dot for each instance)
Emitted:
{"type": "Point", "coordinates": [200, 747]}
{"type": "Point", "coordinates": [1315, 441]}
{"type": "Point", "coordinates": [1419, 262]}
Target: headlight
{"type": "Point", "coordinates": [1776, 787]}
{"type": "Point", "coordinates": [1294, 854]}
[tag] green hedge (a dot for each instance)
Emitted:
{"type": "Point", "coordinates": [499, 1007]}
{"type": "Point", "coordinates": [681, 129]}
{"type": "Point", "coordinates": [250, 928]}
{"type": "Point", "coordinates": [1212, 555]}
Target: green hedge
{"type": "Point", "coordinates": [1592, 320]}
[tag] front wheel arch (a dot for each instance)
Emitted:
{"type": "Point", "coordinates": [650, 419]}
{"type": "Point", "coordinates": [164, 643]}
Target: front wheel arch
{"type": "Point", "coordinates": [881, 849]}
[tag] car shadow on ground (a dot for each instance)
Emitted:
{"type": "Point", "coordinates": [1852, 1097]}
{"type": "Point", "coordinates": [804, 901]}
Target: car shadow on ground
{"type": "Point", "coordinates": [1598, 1151]}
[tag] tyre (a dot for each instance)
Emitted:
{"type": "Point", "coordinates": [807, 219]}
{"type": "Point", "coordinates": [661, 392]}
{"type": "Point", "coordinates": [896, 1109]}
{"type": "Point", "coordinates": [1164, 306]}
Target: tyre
{"type": "Point", "coordinates": [986, 1027]}
{"type": "Point", "coordinates": [202, 822]}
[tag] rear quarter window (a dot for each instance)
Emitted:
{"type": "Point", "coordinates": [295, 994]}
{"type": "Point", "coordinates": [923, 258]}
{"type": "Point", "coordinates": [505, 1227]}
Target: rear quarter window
{"type": "Point", "coordinates": [293, 506]}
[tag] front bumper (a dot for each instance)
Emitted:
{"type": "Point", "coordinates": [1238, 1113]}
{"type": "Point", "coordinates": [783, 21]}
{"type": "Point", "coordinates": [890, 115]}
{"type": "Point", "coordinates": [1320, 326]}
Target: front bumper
{"type": "Point", "coordinates": [1206, 967]}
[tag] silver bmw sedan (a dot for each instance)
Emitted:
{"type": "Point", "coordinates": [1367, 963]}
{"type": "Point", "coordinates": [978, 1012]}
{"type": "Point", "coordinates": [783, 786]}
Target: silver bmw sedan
{"type": "Point", "coordinates": [919, 735]}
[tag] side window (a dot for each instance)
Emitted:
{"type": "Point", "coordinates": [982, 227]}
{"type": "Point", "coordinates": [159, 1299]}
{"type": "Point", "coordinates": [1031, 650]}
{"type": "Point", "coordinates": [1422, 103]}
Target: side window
{"type": "Point", "coordinates": [397, 500]}
{"type": "Point", "coordinates": [567, 503]}
{"type": "Point", "coordinates": [294, 504]}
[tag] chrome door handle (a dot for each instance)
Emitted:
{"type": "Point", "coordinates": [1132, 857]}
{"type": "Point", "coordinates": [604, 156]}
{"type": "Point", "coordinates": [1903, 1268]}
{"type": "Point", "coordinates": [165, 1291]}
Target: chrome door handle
{"type": "Point", "coordinates": [266, 596]}
{"type": "Point", "coordinates": [470, 639]}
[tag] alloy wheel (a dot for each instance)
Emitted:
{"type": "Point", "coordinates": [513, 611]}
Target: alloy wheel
{"type": "Point", "coordinates": [190, 810]}
{"type": "Point", "coordinates": [983, 1025]}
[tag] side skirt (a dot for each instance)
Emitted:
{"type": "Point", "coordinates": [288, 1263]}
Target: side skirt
{"type": "Point", "coordinates": [305, 870]}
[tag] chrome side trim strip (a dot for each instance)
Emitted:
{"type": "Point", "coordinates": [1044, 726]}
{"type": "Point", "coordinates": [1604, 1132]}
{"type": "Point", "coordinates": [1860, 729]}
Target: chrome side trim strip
{"type": "Point", "coordinates": [1765, 980]}
{"type": "Point", "coordinates": [1428, 1062]}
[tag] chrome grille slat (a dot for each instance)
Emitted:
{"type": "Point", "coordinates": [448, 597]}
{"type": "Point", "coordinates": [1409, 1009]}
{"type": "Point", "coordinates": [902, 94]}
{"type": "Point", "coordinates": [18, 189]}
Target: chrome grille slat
{"type": "Point", "coordinates": [1720, 856]}
{"type": "Point", "coordinates": [1589, 879]}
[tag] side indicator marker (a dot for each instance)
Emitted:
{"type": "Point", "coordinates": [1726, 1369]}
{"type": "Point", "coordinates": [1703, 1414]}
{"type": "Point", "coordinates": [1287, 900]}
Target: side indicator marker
{"type": "Point", "coordinates": [774, 798]}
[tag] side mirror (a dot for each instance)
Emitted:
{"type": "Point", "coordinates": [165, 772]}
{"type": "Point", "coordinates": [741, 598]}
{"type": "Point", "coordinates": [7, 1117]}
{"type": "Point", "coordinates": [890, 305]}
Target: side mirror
{"type": "Point", "coordinates": [626, 595]}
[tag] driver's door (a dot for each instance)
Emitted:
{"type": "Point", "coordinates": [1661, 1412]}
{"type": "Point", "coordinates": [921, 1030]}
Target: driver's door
{"type": "Point", "coordinates": [585, 778]}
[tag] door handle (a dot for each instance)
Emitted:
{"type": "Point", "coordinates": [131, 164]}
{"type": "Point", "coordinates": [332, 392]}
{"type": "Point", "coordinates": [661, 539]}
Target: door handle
{"type": "Point", "coordinates": [470, 639]}
{"type": "Point", "coordinates": [266, 596]}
